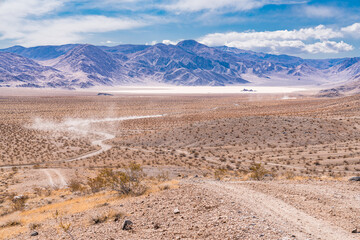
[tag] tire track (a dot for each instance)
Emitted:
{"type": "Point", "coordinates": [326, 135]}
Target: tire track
{"type": "Point", "coordinates": [274, 210]}
{"type": "Point", "coordinates": [55, 178]}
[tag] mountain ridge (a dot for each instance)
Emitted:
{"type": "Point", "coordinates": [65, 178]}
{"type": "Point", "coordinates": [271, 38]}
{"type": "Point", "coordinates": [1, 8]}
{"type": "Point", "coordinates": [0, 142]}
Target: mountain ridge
{"type": "Point", "coordinates": [188, 63]}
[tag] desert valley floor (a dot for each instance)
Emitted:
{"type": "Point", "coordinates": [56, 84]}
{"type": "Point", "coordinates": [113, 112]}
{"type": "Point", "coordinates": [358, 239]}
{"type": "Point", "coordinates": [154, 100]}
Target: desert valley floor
{"type": "Point", "coordinates": [246, 166]}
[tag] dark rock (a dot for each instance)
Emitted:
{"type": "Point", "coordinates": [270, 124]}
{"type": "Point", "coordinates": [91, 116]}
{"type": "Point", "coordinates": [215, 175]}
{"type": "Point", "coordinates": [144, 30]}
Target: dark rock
{"type": "Point", "coordinates": [355, 179]}
{"type": "Point", "coordinates": [127, 225]}
{"type": "Point", "coordinates": [156, 226]}
{"type": "Point", "coordinates": [355, 231]}
{"type": "Point", "coordinates": [33, 234]}
{"type": "Point", "coordinates": [104, 94]}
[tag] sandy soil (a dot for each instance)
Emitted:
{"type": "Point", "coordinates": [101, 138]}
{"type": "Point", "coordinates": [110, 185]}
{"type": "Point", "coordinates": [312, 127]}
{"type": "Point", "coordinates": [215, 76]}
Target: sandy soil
{"type": "Point", "coordinates": [228, 210]}
{"type": "Point", "coordinates": [309, 148]}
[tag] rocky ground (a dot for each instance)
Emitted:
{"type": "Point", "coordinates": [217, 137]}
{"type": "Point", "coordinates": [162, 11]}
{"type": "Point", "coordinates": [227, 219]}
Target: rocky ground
{"type": "Point", "coordinates": [309, 148]}
{"type": "Point", "coordinates": [206, 209]}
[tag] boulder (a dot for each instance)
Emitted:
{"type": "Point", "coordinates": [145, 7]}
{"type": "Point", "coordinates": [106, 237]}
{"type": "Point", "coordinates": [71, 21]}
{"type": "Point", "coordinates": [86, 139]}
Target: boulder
{"type": "Point", "coordinates": [127, 225]}
{"type": "Point", "coordinates": [355, 179]}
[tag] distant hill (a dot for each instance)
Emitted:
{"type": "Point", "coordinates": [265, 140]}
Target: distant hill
{"type": "Point", "coordinates": [19, 71]}
{"type": "Point", "coordinates": [187, 63]}
{"type": "Point", "coordinates": [41, 52]}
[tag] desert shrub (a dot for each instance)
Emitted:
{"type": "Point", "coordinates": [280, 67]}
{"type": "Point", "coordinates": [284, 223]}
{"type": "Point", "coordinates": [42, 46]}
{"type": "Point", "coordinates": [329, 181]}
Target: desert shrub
{"type": "Point", "coordinates": [128, 182]}
{"type": "Point", "coordinates": [124, 182]}
{"type": "Point", "coordinates": [37, 191]}
{"type": "Point", "coordinates": [34, 226]}
{"type": "Point", "coordinates": [11, 223]}
{"type": "Point", "coordinates": [257, 171]}
{"type": "Point", "coordinates": [111, 215]}
{"type": "Point", "coordinates": [63, 226]}
{"type": "Point", "coordinates": [219, 173]}
{"type": "Point", "coordinates": [163, 176]}
{"type": "Point", "coordinates": [36, 166]}
{"type": "Point", "coordinates": [163, 187]}
{"type": "Point", "coordinates": [66, 227]}
{"type": "Point", "coordinates": [99, 219]}
{"type": "Point", "coordinates": [289, 175]}
{"type": "Point", "coordinates": [75, 185]}
{"type": "Point", "coordinates": [96, 184]}
{"type": "Point", "coordinates": [18, 202]}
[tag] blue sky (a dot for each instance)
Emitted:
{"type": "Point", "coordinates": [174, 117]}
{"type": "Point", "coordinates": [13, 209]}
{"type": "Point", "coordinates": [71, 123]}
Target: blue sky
{"type": "Point", "coordinates": [310, 29]}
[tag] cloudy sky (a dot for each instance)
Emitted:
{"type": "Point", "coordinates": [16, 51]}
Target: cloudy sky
{"type": "Point", "coordinates": [306, 28]}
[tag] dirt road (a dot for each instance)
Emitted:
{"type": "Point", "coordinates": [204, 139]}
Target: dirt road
{"type": "Point", "coordinates": [55, 178]}
{"type": "Point", "coordinates": [282, 214]}
{"type": "Point", "coordinates": [209, 209]}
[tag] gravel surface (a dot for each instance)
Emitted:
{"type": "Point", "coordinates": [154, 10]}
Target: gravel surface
{"type": "Point", "coordinates": [206, 209]}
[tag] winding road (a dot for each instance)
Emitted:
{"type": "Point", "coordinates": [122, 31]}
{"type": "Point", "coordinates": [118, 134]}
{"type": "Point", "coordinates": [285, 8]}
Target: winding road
{"type": "Point", "coordinates": [82, 126]}
{"type": "Point", "coordinates": [54, 176]}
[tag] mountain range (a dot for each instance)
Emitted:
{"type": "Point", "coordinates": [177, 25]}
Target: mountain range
{"type": "Point", "coordinates": [187, 63]}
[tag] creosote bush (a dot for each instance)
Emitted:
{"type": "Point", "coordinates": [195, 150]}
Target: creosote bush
{"type": "Point", "coordinates": [219, 173]}
{"type": "Point", "coordinates": [257, 171]}
{"type": "Point", "coordinates": [18, 202]}
{"type": "Point", "coordinates": [289, 175]}
{"type": "Point", "coordinates": [75, 185]}
{"type": "Point", "coordinates": [124, 182]}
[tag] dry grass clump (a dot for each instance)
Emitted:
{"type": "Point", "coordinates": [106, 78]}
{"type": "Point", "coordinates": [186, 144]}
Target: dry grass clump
{"type": "Point", "coordinates": [11, 223]}
{"type": "Point", "coordinates": [110, 215]}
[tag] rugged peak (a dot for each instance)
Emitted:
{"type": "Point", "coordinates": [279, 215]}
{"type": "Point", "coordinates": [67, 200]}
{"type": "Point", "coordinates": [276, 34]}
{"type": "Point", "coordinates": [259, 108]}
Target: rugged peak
{"type": "Point", "coordinates": [89, 52]}
{"type": "Point", "coordinates": [14, 48]}
{"type": "Point", "coordinates": [348, 63]}
{"type": "Point", "coordinates": [89, 59]}
{"type": "Point", "coordinates": [83, 48]}
{"type": "Point", "coordinates": [189, 44]}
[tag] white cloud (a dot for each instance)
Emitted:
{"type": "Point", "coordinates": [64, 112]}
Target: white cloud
{"type": "Point", "coordinates": [320, 11]}
{"type": "Point", "coordinates": [353, 30]}
{"type": "Point", "coordinates": [14, 13]}
{"type": "Point", "coordinates": [10, 9]}
{"type": "Point", "coordinates": [151, 43]}
{"type": "Point", "coordinates": [31, 22]}
{"type": "Point", "coordinates": [198, 5]}
{"type": "Point", "coordinates": [168, 42]}
{"type": "Point", "coordinates": [132, 5]}
{"type": "Point", "coordinates": [306, 40]}
{"type": "Point", "coordinates": [320, 32]}
{"type": "Point", "coordinates": [109, 42]}
{"type": "Point", "coordinates": [72, 29]}
{"type": "Point", "coordinates": [328, 47]}
{"type": "Point", "coordinates": [268, 46]}
{"type": "Point", "coordinates": [222, 5]}
{"type": "Point", "coordinates": [291, 47]}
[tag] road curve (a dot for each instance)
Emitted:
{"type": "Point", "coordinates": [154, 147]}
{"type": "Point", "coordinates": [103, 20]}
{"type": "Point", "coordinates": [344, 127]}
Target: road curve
{"type": "Point", "coordinates": [82, 126]}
